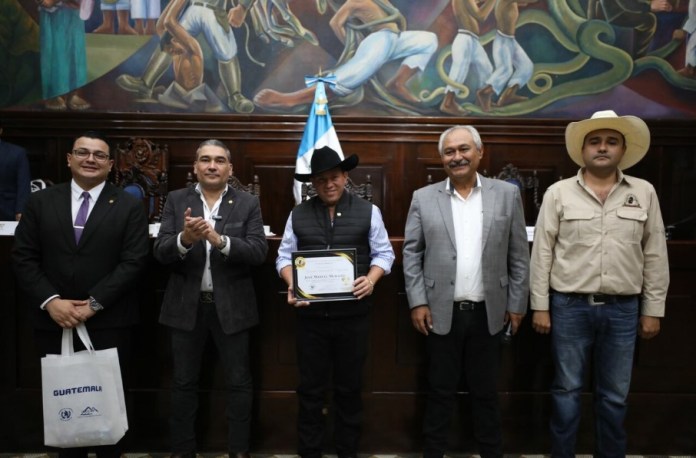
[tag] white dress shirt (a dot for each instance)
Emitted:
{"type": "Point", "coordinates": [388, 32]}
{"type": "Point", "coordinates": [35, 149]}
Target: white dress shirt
{"type": "Point", "coordinates": [467, 214]}
{"type": "Point", "coordinates": [210, 215]}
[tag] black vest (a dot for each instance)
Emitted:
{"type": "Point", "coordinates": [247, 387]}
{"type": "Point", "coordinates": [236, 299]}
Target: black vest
{"type": "Point", "coordinates": [311, 224]}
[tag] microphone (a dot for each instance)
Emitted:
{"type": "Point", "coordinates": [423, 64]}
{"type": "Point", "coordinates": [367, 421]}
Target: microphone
{"type": "Point", "coordinates": [217, 217]}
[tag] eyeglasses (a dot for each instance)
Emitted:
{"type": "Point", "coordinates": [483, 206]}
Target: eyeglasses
{"type": "Point", "coordinates": [99, 156]}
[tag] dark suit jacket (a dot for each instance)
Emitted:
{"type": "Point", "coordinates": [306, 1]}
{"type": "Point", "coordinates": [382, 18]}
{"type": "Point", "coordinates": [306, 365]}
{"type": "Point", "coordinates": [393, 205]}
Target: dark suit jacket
{"type": "Point", "coordinates": [15, 180]}
{"type": "Point", "coordinates": [107, 263]}
{"type": "Point", "coordinates": [235, 300]}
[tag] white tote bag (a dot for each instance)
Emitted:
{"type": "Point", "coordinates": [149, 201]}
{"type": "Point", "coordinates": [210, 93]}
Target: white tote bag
{"type": "Point", "coordinates": [83, 402]}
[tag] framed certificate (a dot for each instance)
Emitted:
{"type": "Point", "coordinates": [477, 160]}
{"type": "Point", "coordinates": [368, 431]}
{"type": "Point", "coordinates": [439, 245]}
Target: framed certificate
{"type": "Point", "coordinates": [324, 275]}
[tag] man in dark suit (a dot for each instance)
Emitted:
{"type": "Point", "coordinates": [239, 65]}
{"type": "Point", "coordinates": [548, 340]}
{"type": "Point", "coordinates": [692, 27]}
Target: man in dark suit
{"type": "Point", "coordinates": [466, 266]}
{"type": "Point", "coordinates": [80, 249]}
{"type": "Point", "coordinates": [210, 237]}
{"type": "Point", "coordinates": [15, 179]}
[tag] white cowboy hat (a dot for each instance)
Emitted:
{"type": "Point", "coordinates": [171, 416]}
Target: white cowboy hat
{"type": "Point", "coordinates": [635, 131]}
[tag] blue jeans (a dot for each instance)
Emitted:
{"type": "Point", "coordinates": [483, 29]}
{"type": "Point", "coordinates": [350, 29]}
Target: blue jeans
{"type": "Point", "coordinates": [607, 333]}
{"type": "Point", "coordinates": [187, 352]}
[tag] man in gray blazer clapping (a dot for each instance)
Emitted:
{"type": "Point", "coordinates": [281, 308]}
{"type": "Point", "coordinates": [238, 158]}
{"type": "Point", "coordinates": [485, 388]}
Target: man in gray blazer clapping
{"type": "Point", "coordinates": [466, 265]}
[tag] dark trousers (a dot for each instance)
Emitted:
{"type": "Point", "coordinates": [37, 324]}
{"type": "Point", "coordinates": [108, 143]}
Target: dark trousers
{"type": "Point", "coordinates": [187, 352]}
{"type": "Point", "coordinates": [49, 342]}
{"type": "Point", "coordinates": [469, 346]}
{"type": "Point", "coordinates": [324, 344]}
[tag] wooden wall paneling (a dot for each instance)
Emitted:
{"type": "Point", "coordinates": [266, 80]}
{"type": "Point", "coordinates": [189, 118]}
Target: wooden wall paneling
{"type": "Point", "coordinates": [274, 357]}
{"type": "Point", "coordinates": [276, 194]}
{"type": "Point", "coordinates": [672, 352]}
{"type": "Point", "coordinates": [542, 161]}
{"type": "Point", "coordinates": [398, 352]}
{"type": "Point", "coordinates": [671, 358]}
{"type": "Point", "coordinates": [676, 199]}
{"type": "Point", "coordinates": [427, 162]}
{"type": "Point", "coordinates": [274, 163]}
{"type": "Point", "coordinates": [659, 424]}
{"type": "Point", "coordinates": [378, 160]}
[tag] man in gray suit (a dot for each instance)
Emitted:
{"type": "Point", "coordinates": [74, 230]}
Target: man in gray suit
{"type": "Point", "coordinates": [466, 265]}
{"type": "Point", "coordinates": [210, 237]}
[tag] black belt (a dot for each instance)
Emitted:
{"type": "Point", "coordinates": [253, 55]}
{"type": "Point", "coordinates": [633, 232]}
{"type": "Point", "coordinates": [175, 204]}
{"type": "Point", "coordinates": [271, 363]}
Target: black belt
{"type": "Point", "coordinates": [599, 298]}
{"type": "Point", "coordinates": [206, 297]}
{"type": "Point", "coordinates": [469, 306]}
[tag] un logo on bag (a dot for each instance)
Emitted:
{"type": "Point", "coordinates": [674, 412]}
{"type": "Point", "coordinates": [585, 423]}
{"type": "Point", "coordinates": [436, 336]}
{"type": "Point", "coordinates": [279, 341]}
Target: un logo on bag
{"type": "Point", "coordinates": [65, 414]}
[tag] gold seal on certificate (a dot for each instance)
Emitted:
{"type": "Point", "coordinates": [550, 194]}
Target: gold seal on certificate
{"type": "Point", "coordinates": [324, 275]}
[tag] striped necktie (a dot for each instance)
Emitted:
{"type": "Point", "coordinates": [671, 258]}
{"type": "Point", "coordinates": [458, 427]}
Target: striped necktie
{"type": "Point", "coordinates": [81, 217]}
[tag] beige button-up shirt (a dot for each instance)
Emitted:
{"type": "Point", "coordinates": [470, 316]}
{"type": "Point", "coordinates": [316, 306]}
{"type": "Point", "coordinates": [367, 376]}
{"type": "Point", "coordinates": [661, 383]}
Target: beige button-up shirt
{"type": "Point", "coordinates": [582, 246]}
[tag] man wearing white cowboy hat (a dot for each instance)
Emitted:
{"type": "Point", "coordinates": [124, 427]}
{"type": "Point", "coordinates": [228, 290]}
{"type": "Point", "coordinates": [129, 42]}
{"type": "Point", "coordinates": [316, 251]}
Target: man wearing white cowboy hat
{"type": "Point", "coordinates": [599, 276]}
{"type": "Point", "coordinates": [332, 335]}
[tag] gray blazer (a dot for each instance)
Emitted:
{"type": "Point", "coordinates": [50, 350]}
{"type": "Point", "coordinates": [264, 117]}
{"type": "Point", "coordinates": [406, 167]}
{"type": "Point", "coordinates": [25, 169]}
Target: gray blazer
{"type": "Point", "coordinates": [429, 254]}
{"type": "Point", "coordinates": [235, 300]}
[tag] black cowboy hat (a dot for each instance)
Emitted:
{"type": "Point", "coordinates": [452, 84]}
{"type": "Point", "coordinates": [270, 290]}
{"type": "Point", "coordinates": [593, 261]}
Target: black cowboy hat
{"type": "Point", "coordinates": [325, 159]}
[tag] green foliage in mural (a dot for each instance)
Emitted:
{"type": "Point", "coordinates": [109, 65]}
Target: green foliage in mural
{"type": "Point", "coordinates": [20, 78]}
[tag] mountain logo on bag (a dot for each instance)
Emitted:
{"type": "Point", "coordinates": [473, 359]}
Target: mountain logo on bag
{"type": "Point", "coordinates": [65, 414]}
{"type": "Point", "coordinates": [90, 412]}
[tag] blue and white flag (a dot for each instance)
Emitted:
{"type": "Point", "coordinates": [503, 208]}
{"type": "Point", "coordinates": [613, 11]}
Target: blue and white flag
{"type": "Point", "coordinates": [318, 132]}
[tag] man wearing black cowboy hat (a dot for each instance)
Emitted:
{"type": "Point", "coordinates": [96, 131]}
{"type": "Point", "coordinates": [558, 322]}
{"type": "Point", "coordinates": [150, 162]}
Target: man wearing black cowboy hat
{"type": "Point", "coordinates": [332, 335]}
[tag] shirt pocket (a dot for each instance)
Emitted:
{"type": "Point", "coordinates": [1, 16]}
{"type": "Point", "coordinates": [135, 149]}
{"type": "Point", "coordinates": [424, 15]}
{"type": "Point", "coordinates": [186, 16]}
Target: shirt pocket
{"type": "Point", "coordinates": [629, 223]}
{"type": "Point", "coordinates": [578, 225]}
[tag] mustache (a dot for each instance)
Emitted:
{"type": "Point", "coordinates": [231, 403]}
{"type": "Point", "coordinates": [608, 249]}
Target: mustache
{"type": "Point", "coordinates": [458, 163]}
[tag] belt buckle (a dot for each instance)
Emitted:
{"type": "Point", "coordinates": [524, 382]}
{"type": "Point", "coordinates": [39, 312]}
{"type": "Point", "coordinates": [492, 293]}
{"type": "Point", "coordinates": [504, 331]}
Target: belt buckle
{"type": "Point", "coordinates": [466, 306]}
{"type": "Point", "coordinates": [596, 299]}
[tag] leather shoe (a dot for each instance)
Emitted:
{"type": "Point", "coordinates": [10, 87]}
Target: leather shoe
{"type": "Point", "coordinates": [183, 455]}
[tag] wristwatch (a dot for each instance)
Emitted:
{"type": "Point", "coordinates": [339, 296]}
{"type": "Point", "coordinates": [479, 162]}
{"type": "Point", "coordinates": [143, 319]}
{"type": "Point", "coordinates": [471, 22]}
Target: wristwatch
{"type": "Point", "coordinates": [94, 305]}
{"type": "Point", "coordinates": [223, 242]}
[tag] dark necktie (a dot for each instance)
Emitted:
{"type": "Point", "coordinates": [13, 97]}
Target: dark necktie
{"type": "Point", "coordinates": [81, 217]}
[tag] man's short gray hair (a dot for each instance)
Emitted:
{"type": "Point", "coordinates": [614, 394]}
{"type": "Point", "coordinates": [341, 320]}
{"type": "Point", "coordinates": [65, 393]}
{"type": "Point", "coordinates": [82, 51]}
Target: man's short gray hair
{"type": "Point", "coordinates": [472, 130]}
{"type": "Point", "coordinates": [214, 142]}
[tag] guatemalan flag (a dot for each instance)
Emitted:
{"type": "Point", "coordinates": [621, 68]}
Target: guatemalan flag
{"type": "Point", "coordinates": [318, 132]}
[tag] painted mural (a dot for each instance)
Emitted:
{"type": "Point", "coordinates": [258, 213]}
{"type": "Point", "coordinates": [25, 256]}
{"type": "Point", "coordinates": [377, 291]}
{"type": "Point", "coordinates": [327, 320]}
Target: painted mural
{"type": "Point", "coordinates": [479, 58]}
